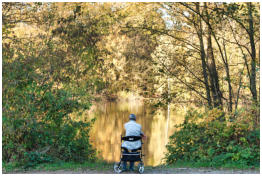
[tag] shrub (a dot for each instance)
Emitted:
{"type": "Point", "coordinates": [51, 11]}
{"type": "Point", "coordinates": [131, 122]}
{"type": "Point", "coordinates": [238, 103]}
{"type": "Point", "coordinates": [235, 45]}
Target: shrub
{"type": "Point", "coordinates": [38, 118]}
{"type": "Point", "coordinates": [31, 159]}
{"type": "Point", "coordinates": [211, 138]}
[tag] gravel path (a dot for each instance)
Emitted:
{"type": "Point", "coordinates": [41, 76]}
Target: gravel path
{"type": "Point", "coordinates": [150, 171]}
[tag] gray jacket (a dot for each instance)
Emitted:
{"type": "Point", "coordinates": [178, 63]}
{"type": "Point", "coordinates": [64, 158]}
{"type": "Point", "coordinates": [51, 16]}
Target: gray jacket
{"type": "Point", "coordinates": [132, 129]}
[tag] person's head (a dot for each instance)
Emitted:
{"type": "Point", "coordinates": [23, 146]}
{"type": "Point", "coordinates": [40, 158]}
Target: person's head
{"type": "Point", "coordinates": [132, 117]}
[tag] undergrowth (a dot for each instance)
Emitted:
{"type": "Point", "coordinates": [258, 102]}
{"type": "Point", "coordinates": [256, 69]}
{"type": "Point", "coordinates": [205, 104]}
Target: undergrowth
{"type": "Point", "coordinates": [214, 139]}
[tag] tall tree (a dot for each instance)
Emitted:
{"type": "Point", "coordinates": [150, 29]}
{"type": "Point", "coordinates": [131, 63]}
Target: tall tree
{"type": "Point", "coordinates": [199, 30]}
{"type": "Point", "coordinates": [243, 14]}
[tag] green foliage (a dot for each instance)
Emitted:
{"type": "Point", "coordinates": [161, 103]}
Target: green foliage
{"type": "Point", "coordinates": [34, 158]}
{"type": "Point", "coordinates": [45, 121]}
{"type": "Point", "coordinates": [208, 139]}
{"type": "Point", "coordinates": [46, 80]}
{"type": "Point", "coordinates": [37, 122]}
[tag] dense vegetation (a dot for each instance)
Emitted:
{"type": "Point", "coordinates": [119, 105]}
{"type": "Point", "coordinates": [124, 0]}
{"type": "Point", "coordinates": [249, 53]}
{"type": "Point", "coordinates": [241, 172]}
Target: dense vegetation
{"type": "Point", "coordinates": [213, 140]}
{"type": "Point", "coordinates": [58, 58]}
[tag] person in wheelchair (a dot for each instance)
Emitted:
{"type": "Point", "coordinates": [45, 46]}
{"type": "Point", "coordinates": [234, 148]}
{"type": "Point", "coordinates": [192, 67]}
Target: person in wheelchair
{"type": "Point", "coordinates": [132, 129]}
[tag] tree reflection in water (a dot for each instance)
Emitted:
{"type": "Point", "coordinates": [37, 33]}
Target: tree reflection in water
{"type": "Point", "coordinates": [108, 127]}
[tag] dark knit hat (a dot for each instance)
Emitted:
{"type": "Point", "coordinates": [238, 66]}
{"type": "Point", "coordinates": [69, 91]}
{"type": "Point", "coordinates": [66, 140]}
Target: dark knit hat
{"type": "Point", "coordinates": [132, 117]}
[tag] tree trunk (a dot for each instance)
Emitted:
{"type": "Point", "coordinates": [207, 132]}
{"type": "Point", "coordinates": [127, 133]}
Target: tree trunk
{"type": "Point", "coordinates": [203, 57]}
{"type": "Point", "coordinates": [253, 54]}
{"type": "Point", "coordinates": [214, 81]}
{"type": "Point", "coordinates": [228, 80]}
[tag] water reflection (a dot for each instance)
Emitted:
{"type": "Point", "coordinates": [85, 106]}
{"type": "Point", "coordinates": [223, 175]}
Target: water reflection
{"type": "Point", "coordinates": [111, 117]}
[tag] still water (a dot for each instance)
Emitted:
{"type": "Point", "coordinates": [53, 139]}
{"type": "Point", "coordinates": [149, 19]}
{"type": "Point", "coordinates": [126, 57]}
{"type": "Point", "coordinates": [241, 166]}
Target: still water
{"type": "Point", "coordinates": [111, 117]}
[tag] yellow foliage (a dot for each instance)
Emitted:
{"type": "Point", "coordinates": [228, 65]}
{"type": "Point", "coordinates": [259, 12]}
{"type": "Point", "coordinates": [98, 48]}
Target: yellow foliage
{"type": "Point", "coordinates": [214, 114]}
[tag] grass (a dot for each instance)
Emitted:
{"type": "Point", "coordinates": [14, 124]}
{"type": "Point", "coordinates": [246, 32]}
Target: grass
{"type": "Point", "coordinates": [74, 166]}
{"type": "Point", "coordinates": [60, 165]}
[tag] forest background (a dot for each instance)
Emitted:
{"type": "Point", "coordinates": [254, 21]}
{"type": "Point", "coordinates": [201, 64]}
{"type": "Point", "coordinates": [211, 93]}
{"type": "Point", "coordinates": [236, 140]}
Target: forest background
{"type": "Point", "coordinates": [60, 58]}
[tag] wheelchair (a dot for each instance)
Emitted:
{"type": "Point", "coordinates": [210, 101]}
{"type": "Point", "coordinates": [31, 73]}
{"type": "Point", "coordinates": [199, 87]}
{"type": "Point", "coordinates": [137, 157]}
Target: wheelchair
{"type": "Point", "coordinates": [135, 156]}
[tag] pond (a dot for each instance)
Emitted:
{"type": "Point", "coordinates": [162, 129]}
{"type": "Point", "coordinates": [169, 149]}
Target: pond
{"type": "Point", "coordinates": [109, 125]}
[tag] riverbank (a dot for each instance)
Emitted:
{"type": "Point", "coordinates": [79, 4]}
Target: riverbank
{"type": "Point", "coordinates": [107, 168]}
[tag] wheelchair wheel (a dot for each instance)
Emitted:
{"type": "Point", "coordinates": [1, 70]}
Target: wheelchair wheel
{"type": "Point", "coordinates": [141, 168]}
{"type": "Point", "coordinates": [118, 167]}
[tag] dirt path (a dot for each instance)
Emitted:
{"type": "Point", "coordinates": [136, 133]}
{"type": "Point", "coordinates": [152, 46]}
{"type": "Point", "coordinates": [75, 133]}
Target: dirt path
{"type": "Point", "coordinates": [150, 171]}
